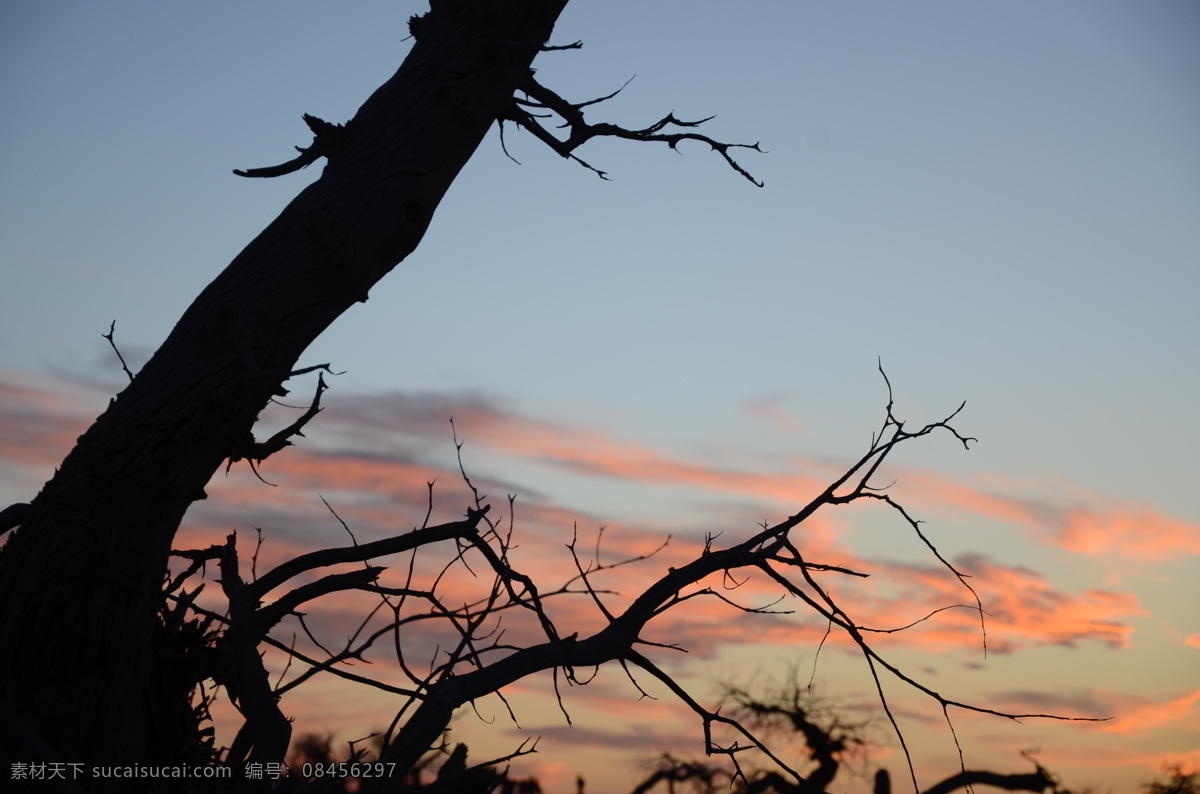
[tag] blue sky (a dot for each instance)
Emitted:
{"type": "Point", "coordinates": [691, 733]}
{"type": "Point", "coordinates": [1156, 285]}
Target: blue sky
{"type": "Point", "coordinates": [1000, 201]}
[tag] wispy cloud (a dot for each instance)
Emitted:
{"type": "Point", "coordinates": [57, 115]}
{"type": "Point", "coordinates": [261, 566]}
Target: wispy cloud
{"type": "Point", "coordinates": [1141, 717]}
{"type": "Point", "coordinates": [1090, 704]}
{"type": "Point", "coordinates": [375, 476]}
{"type": "Point", "coordinates": [584, 451]}
{"type": "Point", "coordinates": [40, 420]}
{"type": "Point", "coordinates": [1025, 608]}
{"type": "Point", "coordinates": [1110, 527]}
{"type": "Point", "coordinates": [372, 457]}
{"type": "Point", "coordinates": [1122, 713]}
{"type": "Point", "coordinates": [767, 409]}
{"type": "Point", "coordinates": [1132, 532]}
{"type": "Point", "coordinates": [382, 441]}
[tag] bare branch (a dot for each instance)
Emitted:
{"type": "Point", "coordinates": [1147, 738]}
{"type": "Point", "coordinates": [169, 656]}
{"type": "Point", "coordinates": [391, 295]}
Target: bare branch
{"type": "Point", "coordinates": [580, 131]}
{"type": "Point", "coordinates": [258, 451]}
{"type": "Point", "coordinates": [327, 139]}
{"type": "Point", "coordinates": [367, 551]}
{"type": "Point", "coordinates": [109, 336]}
{"type": "Point", "coordinates": [1030, 781]}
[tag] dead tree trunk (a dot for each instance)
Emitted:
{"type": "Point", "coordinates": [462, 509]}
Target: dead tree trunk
{"type": "Point", "coordinates": [81, 578]}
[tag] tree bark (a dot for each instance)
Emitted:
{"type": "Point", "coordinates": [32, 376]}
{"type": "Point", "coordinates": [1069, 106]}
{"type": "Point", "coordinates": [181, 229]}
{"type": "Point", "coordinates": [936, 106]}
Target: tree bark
{"type": "Point", "coordinates": [81, 579]}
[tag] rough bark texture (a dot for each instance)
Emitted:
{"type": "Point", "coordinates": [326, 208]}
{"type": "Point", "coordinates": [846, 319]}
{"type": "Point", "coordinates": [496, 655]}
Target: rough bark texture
{"type": "Point", "coordinates": [80, 579]}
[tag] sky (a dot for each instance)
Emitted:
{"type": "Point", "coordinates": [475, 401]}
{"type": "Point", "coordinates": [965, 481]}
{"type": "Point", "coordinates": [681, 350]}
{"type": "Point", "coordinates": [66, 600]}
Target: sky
{"type": "Point", "coordinates": [998, 202]}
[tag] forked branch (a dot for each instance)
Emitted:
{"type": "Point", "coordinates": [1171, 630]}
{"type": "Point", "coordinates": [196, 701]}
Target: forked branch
{"type": "Point", "coordinates": [670, 130]}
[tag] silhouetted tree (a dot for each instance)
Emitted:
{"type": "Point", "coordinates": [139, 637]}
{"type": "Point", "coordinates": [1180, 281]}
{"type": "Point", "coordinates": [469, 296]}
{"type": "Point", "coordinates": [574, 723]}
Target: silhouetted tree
{"type": "Point", "coordinates": [1179, 781]}
{"type": "Point", "coordinates": [81, 648]}
{"type": "Point", "coordinates": [107, 657]}
{"type": "Point", "coordinates": [829, 737]}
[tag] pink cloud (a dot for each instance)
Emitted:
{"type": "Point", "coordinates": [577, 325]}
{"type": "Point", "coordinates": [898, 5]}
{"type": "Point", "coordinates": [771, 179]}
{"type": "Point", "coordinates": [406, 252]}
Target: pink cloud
{"type": "Point", "coordinates": [382, 491]}
{"type": "Point", "coordinates": [944, 492]}
{"type": "Point", "coordinates": [1024, 608]}
{"type": "Point", "coordinates": [39, 421]}
{"type": "Point", "coordinates": [1138, 718]}
{"type": "Point", "coordinates": [37, 426]}
{"type": "Point", "coordinates": [586, 451]}
{"type": "Point", "coordinates": [1125, 714]}
{"type": "Point", "coordinates": [376, 482]}
{"type": "Point", "coordinates": [1120, 530]}
{"type": "Point", "coordinates": [1129, 532]}
{"type": "Point", "coordinates": [1137, 532]}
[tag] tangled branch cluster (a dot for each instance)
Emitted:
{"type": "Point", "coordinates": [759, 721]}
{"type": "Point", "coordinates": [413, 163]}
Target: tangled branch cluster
{"type": "Point", "coordinates": [479, 661]}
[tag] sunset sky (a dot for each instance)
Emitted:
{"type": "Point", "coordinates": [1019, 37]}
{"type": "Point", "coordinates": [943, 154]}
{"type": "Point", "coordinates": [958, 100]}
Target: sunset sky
{"type": "Point", "coordinates": [1000, 202]}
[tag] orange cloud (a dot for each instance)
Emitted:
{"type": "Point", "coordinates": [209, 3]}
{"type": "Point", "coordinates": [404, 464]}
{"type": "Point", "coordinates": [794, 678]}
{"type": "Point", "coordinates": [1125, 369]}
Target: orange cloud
{"type": "Point", "coordinates": [1125, 531]}
{"type": "Point", "coordinates": [480, 420]}
{"type": "Point", "coordinates": [945, 492]}
{"type": "Point", "coordinates": [380, 489]}
{"type": "Point", "coordinates": [377, 496]}
{"type": "Point", "coordinates": [1150, 716]}
{"type": "Point", "coordinates": [1024, 608]}
{"type": "Point", "coordinates": [37, 425]}
{"type": "Point", "coordinates": [1138, 533]}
